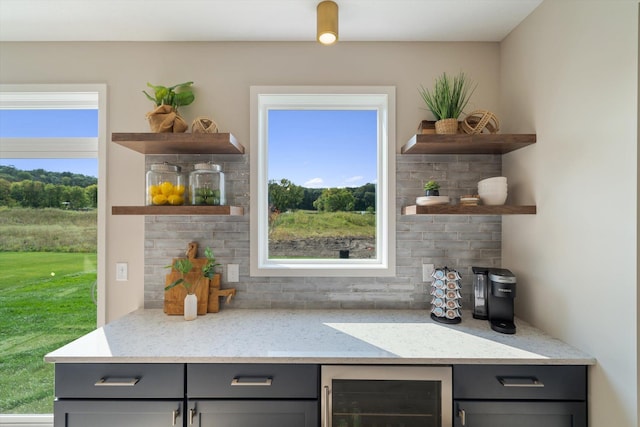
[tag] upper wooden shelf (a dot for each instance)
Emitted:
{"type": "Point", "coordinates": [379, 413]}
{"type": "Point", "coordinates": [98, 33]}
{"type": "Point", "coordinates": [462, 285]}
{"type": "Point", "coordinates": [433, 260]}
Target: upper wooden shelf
{"type": "Point", "coordinates": [177, 210]}
{"type": "Point", "coordinates": [468, 210]}
{"type": "Point", "coordinates": [467, 144]}
{"type": "Point", "coordinates": [179, 143]}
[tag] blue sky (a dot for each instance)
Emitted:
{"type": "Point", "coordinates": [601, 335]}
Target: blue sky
{"type": "Point", "coordinates": [323, 148]}
{"type": "Point", "coordinates": [51, 124]}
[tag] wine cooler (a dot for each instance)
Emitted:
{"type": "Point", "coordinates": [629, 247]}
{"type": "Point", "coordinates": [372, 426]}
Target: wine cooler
{"type": "Point", "coordinates": [386, 396]}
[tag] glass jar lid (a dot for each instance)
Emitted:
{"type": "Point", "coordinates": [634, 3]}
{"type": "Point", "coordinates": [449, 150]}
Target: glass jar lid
{"type": "Point", "coordinates": [165, 167]}
{"type": "Point", "coordinates": [207, 167]}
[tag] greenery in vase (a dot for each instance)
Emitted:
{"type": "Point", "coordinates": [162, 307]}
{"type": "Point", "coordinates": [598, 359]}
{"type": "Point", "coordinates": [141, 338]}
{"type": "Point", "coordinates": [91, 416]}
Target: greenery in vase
{"type": "Point", "coordinates": [175, 96]}
{"type": "Point", "coordinates": [184, 267]}
{"type": "Point", "coordinates": [449, 96]}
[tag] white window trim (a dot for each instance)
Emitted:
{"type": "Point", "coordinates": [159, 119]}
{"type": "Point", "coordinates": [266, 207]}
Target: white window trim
{"type": "Point", "coordinates": [381, 98]}
{"type": "Point", "coordinates": [66, 96]}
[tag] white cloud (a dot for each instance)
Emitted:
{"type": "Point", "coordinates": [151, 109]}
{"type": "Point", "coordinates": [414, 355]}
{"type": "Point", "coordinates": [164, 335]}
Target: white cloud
{"type": "Point", "coordinates": [314, 183]}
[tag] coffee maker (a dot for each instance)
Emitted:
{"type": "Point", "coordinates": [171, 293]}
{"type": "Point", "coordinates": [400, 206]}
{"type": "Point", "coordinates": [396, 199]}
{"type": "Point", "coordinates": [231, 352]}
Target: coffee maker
{"type": "Point", "coordinates": [494, 293]}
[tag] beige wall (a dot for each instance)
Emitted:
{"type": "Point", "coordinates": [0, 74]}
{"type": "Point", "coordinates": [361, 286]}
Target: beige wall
{"type": "Point", "coordinates": [570, 73]}
{"type": "Point", "coordinates": [223, 73]}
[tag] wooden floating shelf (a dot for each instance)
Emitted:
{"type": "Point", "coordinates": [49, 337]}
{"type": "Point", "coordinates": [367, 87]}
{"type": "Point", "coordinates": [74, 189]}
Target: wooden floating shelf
{"type": "Point", "coordinates": [179, 143]}
{"type": "Point", "coordinates": [468, 210]}
{"type": "Point", "coordinates": [177, 210]}
{"type": "Point", "coordinates": [467, 144]}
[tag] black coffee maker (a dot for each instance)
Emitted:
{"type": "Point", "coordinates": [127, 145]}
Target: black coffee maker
{"type": "Point", "coordinates": [493, 292]}
{"type": "Point", "coordinates": [500, 301]}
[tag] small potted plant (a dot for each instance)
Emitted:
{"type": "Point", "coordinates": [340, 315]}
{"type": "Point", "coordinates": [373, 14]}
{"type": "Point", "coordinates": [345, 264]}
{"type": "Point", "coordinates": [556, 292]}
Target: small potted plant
{"type": "Point", "coordinates": [448, 100]}
{"type": "Point", "coordinates": [431, 188]}
{"type": "Point", "coordinates": [165, 118]}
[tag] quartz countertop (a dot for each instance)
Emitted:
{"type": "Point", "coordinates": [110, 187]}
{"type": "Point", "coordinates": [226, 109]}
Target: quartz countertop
{"type": "Point", "coordinates": [313, 336]}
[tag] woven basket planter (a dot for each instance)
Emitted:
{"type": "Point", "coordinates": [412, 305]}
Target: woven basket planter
{"type": "Point", "coordinates": [447, 126]}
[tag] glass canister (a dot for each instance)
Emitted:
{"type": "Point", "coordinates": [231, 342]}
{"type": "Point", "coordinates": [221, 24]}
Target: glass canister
{"type": "Point", "coordinates": [165, 185]}
{"type": "Point", "coordinates": [206, 185]}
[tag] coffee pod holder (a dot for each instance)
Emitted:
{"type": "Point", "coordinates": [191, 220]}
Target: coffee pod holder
{"type": "Point", "coordinates": [445, 296]}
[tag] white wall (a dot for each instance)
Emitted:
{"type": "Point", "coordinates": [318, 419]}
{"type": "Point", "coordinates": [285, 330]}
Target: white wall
{"type": "Point", "coordinates": [570, 73]}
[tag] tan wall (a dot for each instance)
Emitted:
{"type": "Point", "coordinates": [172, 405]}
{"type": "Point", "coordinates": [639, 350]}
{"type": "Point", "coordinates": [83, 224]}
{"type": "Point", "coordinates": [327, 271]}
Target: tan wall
{"type": "Point", "coordinates": [223, 73]}
{"type": "Point", "coordinates": [570, 73]}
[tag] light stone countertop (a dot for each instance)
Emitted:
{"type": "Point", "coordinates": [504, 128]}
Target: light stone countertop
{"type": "Point", "coordinates": [313, 336]}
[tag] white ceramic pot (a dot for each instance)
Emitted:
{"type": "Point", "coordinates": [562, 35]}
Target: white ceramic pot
{"type": "Point", "coordinates": [190, 307]}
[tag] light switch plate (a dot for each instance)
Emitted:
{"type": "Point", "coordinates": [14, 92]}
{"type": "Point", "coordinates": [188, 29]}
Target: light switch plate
{"type": "Point", "coordinates": [233, 273]}
{"type": "Point", "coordinates": [122, 271]}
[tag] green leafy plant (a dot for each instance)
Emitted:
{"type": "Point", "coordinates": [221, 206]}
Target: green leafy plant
{"type": "Point", "coordinates": [175, 96]}
{"type": "Point", "coordinates": [449, 96]}
{"type": "Point", "coordinates": [184, 267]}
{"type": "Point", "coordinates": [209, 269]}
{"type": "Point", "coordinates": [431, 186]}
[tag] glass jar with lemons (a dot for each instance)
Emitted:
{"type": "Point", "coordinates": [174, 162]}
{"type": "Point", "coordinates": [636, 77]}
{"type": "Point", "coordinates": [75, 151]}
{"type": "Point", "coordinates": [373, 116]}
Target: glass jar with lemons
{"type": "Point", "coordinates": [165, 185]}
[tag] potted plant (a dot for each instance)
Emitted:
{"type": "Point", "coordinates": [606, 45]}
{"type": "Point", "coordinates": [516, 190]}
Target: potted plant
{"type": "Point", "coordinates": [184, 266]}
{"type": "Point", "coordinates": [448, 100]}
{"type": "Point", "coordinates": [431, 188]}
{"type": "Point", "coordinates": [165, 117]}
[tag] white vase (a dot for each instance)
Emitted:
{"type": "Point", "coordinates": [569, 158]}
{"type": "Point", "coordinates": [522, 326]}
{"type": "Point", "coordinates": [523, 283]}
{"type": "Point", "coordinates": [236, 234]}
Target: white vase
{"type": "Point", "coordinates": [190, 307]}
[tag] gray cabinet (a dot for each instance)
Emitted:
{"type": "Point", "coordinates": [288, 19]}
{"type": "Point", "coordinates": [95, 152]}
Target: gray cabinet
{"type": "Point", "coordinates": [523, 396]}
{"type": "Point", "coordinates": [248, 395]}
{"type": "Point", "coordinates": [124, 395]}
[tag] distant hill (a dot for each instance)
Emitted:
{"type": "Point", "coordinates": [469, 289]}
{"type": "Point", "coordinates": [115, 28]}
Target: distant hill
{"type": "Point", "coordinates": [12, 174]}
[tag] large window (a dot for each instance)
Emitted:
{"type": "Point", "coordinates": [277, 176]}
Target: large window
{"type": "Point", "coordinates": [322, 181]}
{"type": "Point", "coordinates": [52, 155]}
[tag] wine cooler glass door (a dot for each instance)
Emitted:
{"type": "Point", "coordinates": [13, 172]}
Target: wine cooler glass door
{"type": "Point", "coordinates": [386, 396]}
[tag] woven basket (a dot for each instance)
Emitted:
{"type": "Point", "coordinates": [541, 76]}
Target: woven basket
{"type": "Point", "coordinates": [447, 126]}
{"type": "Point", "coordinates": [479, 120]}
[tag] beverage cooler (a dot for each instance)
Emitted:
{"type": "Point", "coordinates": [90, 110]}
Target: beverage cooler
{"type": "Point", "coordinates": [386, 396]}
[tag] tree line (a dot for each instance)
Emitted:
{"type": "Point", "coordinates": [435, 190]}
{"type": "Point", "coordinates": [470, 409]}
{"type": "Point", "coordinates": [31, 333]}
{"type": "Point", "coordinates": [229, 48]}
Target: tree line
{"type": "Point", "coordinates": [285, 195]}
{"type": "Point", "coordinates": [44, 189]}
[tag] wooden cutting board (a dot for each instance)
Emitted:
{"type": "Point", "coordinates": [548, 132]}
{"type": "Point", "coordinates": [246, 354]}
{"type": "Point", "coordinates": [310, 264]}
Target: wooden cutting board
{"type": "Point", "coordinates": [174, 297]}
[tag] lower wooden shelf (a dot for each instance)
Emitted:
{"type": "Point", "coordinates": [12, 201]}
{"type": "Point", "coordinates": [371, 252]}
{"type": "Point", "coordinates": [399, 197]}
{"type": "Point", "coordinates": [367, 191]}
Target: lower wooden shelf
{"type": "Point", "coordinates": [177, 210]}
{"type": "Point", "coordinates": [468, 210]}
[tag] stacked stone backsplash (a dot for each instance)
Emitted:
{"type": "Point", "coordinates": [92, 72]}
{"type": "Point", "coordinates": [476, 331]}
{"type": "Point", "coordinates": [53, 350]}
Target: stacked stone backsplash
{"type": "Point", "coordinates": [455, 241]}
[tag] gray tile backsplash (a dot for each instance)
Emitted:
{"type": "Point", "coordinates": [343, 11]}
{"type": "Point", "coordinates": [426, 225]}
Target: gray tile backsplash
{"type": "Point", "coordinates": [456, 241]}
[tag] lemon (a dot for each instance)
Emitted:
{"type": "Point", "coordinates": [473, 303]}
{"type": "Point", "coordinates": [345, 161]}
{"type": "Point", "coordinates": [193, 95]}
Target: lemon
{"type": "Point", "coordinates": [175, 200]}
{"type": "Point", "coordinates": [154, 190]}
{"type": "Point", "coordinates": [166, 188]}
{"type": "Point", "coordinates": [178, 190]}
{"type": "Point", "coordinates": [159, 199]}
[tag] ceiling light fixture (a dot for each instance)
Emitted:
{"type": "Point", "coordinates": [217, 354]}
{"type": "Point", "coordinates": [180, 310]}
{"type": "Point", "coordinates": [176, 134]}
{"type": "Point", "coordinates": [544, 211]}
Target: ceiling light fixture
{"type": "Point", "coordinates": [327, 22]}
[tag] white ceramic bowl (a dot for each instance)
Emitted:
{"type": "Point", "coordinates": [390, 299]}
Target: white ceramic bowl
{"type": "Point", "coordinates": [493, 198]}
{"type": "Point", "coordinates": [492, 187]}
{"type": "Point", "coordinates": [500, 179]}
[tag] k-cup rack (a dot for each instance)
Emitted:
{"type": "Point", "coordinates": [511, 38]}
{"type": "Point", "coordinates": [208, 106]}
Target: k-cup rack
{"type": "Point", "coordinates": [445, 296]}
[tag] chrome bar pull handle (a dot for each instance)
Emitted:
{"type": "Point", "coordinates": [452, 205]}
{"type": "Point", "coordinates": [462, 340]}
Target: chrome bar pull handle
{"type": "Point", "coordinates": [463, 417]}
{"type": "Point", "coordinates": [192, 413]}
{"type": "Point", "coordinates": [174, 416]}
{"type": "Point", "coordinates": [327, 413]}
{"type": "Point", "coordinates": [520, 382]}
{"type": "Point", "coordinates": [117, 382]}
{"type": "Point", "coordinates": [252, 381]}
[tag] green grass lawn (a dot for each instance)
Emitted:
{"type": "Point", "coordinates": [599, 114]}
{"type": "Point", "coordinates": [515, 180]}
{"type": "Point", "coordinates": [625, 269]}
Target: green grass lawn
{"type": "Point", "coordinates": [309, 224]}
{"type": "Point", "coordinates": [39, 312]}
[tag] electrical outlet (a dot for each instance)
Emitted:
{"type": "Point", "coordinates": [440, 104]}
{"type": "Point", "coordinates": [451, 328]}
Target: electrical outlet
{"type": "Point", "coordinates": [122, 271]}
{"type": "Point", "coordinates": [233, 273]}
{"type": "Point", "coordinates": [427, 271]}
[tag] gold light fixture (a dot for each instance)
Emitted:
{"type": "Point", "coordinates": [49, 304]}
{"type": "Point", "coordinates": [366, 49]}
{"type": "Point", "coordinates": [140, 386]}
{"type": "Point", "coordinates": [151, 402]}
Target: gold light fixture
{"type": "Point", "coordinates": [327, 22]}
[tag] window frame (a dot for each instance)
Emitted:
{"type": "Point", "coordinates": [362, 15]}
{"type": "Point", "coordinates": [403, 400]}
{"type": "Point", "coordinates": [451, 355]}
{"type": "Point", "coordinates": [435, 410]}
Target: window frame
{"type": "Point", "coordinates": [380, 98]}
{"type": "Point", "coordinates": [66, 96]}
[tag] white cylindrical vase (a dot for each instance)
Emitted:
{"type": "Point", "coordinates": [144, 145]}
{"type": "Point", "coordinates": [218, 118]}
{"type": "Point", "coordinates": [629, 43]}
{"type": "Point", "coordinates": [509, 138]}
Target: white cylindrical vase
{"type": "Point", "coordinates": [190, 307]}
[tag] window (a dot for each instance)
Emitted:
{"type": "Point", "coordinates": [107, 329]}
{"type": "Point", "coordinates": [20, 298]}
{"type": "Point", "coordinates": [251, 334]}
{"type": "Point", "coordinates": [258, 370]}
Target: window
{"type": "Point", "coordinates": [52, 140]}
{"type": "Point", "coordinates": [299, 139]}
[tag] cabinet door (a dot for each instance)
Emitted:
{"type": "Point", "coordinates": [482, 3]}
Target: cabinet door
{"type": "Point", "coordinates": [520, 414]}
{"type": "Point", "coordinates": [252, 413]}
{"type": "Point", "coordinates": [121, 413]}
